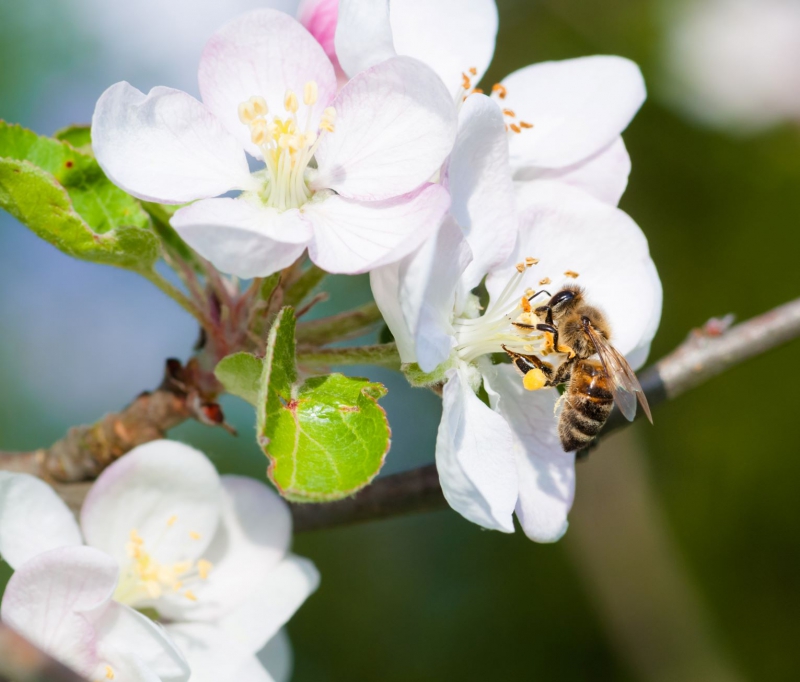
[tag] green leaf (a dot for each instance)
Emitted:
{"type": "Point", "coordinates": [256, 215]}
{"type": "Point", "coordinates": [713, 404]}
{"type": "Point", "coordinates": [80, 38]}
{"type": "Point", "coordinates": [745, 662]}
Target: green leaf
{"type": "Point", "coordinates": [240, 374]}
{"type": "Point", "coordinates": [327, 437]}
{"type": "Point", "coordinates": [77, 136]}
{"type": "Point", "coordinates": [64, 197]}
{"type": "Point", "coordinates": [37, 200]}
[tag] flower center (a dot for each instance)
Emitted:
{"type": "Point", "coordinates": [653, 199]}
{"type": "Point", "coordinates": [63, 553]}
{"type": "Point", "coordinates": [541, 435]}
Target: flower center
{"type": "Point", "coordinates": [508, 321]}
{"type": "Point", "coordinates": [287, 144]}
{"type": "Point", "coordinates": [146, 579]}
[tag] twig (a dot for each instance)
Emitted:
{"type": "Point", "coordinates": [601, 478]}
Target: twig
{"type": "Point", "coordinates": [381, 354]}
{"type": "Point", "coordinates": [347, 325]}
{"type": "Point", "coordinates": [702, 356]}
{"type": "Point", "coordinates": [21, 661]}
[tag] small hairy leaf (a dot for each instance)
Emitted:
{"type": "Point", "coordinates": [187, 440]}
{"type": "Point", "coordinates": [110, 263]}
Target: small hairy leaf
{"type": "Point", "coordinates": [240, 374]}
{"type": "Point", "coordinates": [78, 136]}
{"type": "Point", "coordinates": [63, 196]}
{"type": "Point", "coordinates": [327, 437]}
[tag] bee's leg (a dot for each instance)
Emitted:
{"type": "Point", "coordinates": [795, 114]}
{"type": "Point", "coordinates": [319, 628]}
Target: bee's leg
{"type": "Point", "coordinates": [563, 374]}
{"type": "Point", "coordinates": [535, 373]}
{"type": "Point", "coordinates": [552, 329]}
{"type": "Point", "coordinates": [547, 312]}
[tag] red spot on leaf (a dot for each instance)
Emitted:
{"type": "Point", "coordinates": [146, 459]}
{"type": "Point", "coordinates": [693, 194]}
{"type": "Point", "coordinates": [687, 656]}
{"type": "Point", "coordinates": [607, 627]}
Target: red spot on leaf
{"type": "Point", "coordinates": [69, 164]}
{"type": "Point", "coordinates": [292, 405]}
{"type": "Point", "coordinates": [349, 408]}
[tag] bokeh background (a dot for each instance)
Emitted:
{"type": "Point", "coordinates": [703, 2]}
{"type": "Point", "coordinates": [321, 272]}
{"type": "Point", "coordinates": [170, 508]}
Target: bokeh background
{"type": "Point", "coordinates": [683, 557]}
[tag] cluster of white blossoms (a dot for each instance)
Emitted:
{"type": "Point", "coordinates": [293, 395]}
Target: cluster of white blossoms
{"type": "Point", "coordinates": [173, 571]}
{"type": "Point", "coordinates": [371, 149]}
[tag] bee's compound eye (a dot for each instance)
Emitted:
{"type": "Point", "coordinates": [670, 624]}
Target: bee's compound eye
{"type": "Point", "coordinates": [534, 380]}
{"type": "Point", "coordinates": [562, 297]}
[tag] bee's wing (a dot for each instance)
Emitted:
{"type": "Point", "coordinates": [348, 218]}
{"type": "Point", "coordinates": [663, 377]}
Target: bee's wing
{"type": "Point", "coordinates": [624, 385]}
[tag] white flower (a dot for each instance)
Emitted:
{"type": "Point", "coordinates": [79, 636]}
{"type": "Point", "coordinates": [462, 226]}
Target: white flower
{"type": "Point", "coordinates": [564, 119]}
{"type": "Point", "coordinates": [60, 596]}
{"type": "Point", "coordinates": [736, 63]}
{"type": "Point", "coordinates": [345, 175]}
{"type": "Point", "coordinates": [495, 461]}
{"type": "Point", "coordinates": [204, 554]}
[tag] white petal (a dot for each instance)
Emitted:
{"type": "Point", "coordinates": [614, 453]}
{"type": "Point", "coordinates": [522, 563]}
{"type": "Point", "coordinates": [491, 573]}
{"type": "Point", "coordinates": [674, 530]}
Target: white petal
{"type": "Point", "coordinates": [213, 656]}
{"type": "Point", "coordinates": [451, 36]}
{"type": "Point", "coordinates": [577, 107]}
{"type": "Point", "coordinates": [568, 230]}
{"type": "Point", "coordinates": [165, 146]}
{"type": "Point", "coordinates": [282, 591]}
{"type": "Point", "coordinates": [47, 598]}
{"type": "Point", "coordinates": [252, 538]}
{"type": "Point", "coordinates": [124, 631]}
{"type": "Point", "coordinates": [429, 279]}
{"type": "Point", "coordinates": [604, 175]}
{"type": "Point", "coordinates": [33, 519]}
{"type": "Point", "coordinates": [167, 491]}
{"type": "Point", "coordinates": [277, 657]}
{"type": "Point", "coordinates": [479, 180]}
{"type": "Point", "coordinates": [385, 284]}
{"type": "Point", "coordinates": [546, 472]}
{"type": "Point", "coordinates": [262, 53]}
{"type": "Point", "coordinates": [352, 236]}
{"type": "Point", "coordinates": [363, 35]}
{"type": "Point", "coordinates": [242, 238]}
{"type": "Point", "coordinates": [474, 457]}
{"type": "Point", "coordinates": [395, 125]}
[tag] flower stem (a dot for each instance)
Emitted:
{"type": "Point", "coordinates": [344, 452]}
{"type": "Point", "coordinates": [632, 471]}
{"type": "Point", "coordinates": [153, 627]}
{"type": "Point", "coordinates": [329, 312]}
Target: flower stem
{"type": "Point", "coordinates": [383, 355]}
{"type": "Point", "coordinates": [179, 297]}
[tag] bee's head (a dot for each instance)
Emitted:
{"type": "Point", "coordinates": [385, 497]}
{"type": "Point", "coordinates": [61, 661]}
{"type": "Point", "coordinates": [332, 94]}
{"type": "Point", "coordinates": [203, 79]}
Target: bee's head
{"type": "Point", "coordinates": [562, 302]}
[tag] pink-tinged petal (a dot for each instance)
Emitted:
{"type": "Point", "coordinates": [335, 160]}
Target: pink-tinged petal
{"type": "Point", "coordinates": [479, 180]}
{"type": "Point", "coordinates": [571, 231]}
{"type": "Point", "coordinates": [48, 597]}
{"type": "Point", "coordinates": [165, 146]}
{"type": "Point", "coordinates": [577, 107]}
{"type": "Point", "coordinates": [353, 236]}
{"type": "Point", "coordinates": [363, 35]}
{"type": "Point", "coordinates": [546, 472]}
{"type": "Point", "coordinates": [263, 53]}
{"type": "Point", "coordinates": [213, 656]}
{"type": "Point", "coordinates": [282, 591]}
{"type": "Point", "coordinates": [168, 492]}
{"type": "Point", "coordinates": [319, 17]}
{"type": "Point", "coordinates": [253, 536]}
{"type": "Point", "coordinates": [450, 36]}
{"type": "Point", "coordinates": [241, 237]}
{"type": "Point", "coordinates": [604, 175]}
{"type": "Point", "coordinates": [33, 519]}
{"type": "Point", "coordinates": [474, 457]}
{"type": "Point", "coordinates": [429, 281]}
{"type": "Point", "coordinates": [395, 125]}
{"type": "Point", "coordinates": [124, 633]}
{"type": "Point", "coordinates": [385, 284]}
{"type": "Point", "coordinates": [277, 657]}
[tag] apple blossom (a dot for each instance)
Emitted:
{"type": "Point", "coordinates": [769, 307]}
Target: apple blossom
{"type": "Point", "coordinates": [564, 119]}
{"type": "Point", "coordinates": [204, 554]}
{"type": "Point", "coordinates": [345, 175]}
{"type": "Point", "coordinates": [504, 458]}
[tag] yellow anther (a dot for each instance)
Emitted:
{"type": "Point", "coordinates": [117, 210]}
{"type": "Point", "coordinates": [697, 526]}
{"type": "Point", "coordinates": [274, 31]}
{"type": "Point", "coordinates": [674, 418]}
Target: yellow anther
{"type": "Point", "coordinates": [259, 105]}
{"type": "Point", "coordinates": [477, 91]}
{"type": "Point", "coordinates": [135, 537]}
{"type": "Point", "coordinates": [172, 520]}
{"type": "Point", "coordinates": [499, 90]}
{"type": "Point", "coordinates": [520, 267]}
{"type": "Point", "coordinates": [473, 70]}
{"type": "Point", "coordinates": [544, 281]}
{"type": "Point", "coordinates": [258, 131]}
{"type": "Point", "coordinates": [194, 535]}
{"type": "Point", "coordinates": [509, 112]}
{"type": "Point", "coordinates": [534, 380]}
{"type": "Point", "coordinates": [310, 93]}
{"type": "Point", "coordinates": [204, 568]}
{"type": "Point", "coordinates": [525, 304]}
{"type": "Point", "coordinates": [109, 672]}
{"type": "Point", "coordinates": [515, 128]}
{"type": "Point", "coordinates": [290, 102]}
{"type": "Point", "coordinates": [525, 124]}
{"type": "Point", "coordinates": [191, 596]}
{"type": "Point", "coordinates": [252, 109]}
{"type": "Point", "coordinates": [182, 567]}
{"type": "Point", "coordinates": [572, 273]}
{"type": "Point", "coordinates": [531, 261]}
{"type": "Point", "coordinates": [328, 119]}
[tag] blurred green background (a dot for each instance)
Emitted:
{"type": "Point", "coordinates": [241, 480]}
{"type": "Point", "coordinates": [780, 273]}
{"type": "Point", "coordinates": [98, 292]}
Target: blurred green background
{"type": "Point", "coordinates": [683, 556]}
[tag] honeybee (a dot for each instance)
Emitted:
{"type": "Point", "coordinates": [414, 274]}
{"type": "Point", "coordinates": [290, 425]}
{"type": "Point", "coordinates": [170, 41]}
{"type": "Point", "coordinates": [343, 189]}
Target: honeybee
{"type": "Point", "coordinates": [594, 386]}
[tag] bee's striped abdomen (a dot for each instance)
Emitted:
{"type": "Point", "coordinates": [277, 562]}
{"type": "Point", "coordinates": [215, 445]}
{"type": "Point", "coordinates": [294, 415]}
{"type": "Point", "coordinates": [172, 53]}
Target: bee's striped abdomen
{"type": "Point", "coordinates": [588, 404]}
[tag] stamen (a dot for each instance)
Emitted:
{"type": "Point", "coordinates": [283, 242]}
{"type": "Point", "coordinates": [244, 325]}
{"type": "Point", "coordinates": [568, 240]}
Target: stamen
{"type": "Point", "coordinates": [191, 596]}
{"type": "Point", "coordinates": [531, 261]}
{"type": "Point", "coordinates": [204, 568]}
{"type": "Point", "coordinates": [172, 520]}
{"type": "Point", "coordinates": [509, 112]}
{"type": "Point", "coordinates": [499, 90]}
{"type": "Point", "coordinates": [473, 70]}
{"type": "Point", "coordinates": [544, 282]}
{"type": "Point", "coordinates": [310, 93]}
{"type": "Point", "coordinates": [290, 102]}
{"type": "Point", "coordinates": [477, 91]}
{"type": "Point", "coordinates": [328, 119]}
{"type": "Point", "coordinates": [515, 128]}
{"type": "Point", "coordinates": [194, 535]}
{"type": "Point", "coordinates": [109, 672]}
{"type": "Point", "coordinates": [572, 273]}
{"type": "Point", "coordinates": [525, 124]}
